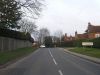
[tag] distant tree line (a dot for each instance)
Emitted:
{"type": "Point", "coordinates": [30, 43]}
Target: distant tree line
{"type": "Point", "coordinates": [58, 40]}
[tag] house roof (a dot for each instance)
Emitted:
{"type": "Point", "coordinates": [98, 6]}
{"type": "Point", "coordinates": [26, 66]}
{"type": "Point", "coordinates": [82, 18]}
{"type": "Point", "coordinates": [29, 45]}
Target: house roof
{"type": "Point", "coordinates": [82, 36]}
{"type": "Point", "coordinates": [68, 38]}
{"type": "Point", "coordinates": [93, 29]}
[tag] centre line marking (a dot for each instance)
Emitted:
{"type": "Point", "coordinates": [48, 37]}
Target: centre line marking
{"type": "Point", "coordinates": [60, 72]}
{"type": "Point", "coordinates": [53, 58]}
{"type": "Point", "coordinates": [55, 61]}
{"type": "Point", "coordinates": [50, 54]}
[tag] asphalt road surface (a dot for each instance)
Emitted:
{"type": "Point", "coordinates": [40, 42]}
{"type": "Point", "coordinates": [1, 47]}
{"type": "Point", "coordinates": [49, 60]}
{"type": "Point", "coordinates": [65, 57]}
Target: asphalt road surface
{"type": "Point", "coordinates": [52, 61]}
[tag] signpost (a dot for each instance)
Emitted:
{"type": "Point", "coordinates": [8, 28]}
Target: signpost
{"type": "Point", "coordinates": [87, 44]}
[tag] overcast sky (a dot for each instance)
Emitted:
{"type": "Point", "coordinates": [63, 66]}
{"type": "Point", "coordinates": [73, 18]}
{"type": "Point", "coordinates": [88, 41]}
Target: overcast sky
{"type": "Point", "coordinates": [69, 15]}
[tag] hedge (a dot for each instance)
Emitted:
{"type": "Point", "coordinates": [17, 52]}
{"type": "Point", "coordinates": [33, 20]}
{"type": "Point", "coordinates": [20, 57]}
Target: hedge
{"type": "Point", "coordinates": [15, 34]}
{"type": "Point", "coordinates": [67, 44]}
{"type": "Point", "coordinates": [96, 42]}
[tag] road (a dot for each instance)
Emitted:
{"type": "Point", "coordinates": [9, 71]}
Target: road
{"type": "Point", "coordinates": [52, 61]}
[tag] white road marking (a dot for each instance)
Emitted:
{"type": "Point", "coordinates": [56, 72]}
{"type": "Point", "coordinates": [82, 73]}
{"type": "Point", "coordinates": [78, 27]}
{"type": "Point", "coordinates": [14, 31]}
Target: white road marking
{"type": "Point", "coordinates": [55, 61]}
{"type": "Point", "coordinates": [60, 72]}
{"type": "Point", "coordinates": [50, 54]}
{"type": "Point", "coordinates": [53, 58]}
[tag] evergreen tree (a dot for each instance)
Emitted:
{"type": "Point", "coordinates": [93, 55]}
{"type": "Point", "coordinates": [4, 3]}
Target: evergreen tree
{"type": "Point", "coordinates": [9, 14]}
{"type": "Point", "coordinates": [48, 41]}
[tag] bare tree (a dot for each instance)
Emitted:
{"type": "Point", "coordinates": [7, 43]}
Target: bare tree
{"type": "Point", "coordinates": [27, 26]}
{"type": "Point", "coordinates": [43, 32]}
{"type": "Point", "coordinates": [35, 34]}
{"type": "Point", "coordinates": [58, 35]}
{"type": "Point", "coordinates": [33, 7]}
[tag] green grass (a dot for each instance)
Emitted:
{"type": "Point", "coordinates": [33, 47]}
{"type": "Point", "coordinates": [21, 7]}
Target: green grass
{"type": "Point", "coordinates": [87, 51]}
{"type": "Point", "coordinates": [12, 55]}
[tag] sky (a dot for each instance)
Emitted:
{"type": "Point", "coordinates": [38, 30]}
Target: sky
{"type": "Point", "coordinates": [69, 16]}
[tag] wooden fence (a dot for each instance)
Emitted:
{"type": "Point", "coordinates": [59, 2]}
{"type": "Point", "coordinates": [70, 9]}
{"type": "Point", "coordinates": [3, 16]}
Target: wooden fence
{"type": "Point", "coordinates": [8, 44]}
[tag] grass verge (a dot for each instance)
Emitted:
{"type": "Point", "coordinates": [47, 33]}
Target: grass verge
{"type": "Point", "coordinates": [12, 55]}
{"type": "Point", "coordinates": [87, 51]}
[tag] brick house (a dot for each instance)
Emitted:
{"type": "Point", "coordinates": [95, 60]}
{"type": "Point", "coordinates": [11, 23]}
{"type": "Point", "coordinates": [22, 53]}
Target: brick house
{"type": "Point", "coordinates": [68, 38]}
{"type": "Point", "coordinates": [81, 36]}
{"type": "Point", "coordinates": [91, 32]}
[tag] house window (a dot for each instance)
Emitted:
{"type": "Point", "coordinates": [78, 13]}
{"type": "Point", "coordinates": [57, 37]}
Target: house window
{"type": "Point", "coordinates": [97, 35]}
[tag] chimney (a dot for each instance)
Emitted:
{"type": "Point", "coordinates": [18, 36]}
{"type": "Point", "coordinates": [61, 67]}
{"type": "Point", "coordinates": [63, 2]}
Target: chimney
{"type": "Point", "coordinates": [65, 34]}
{"type": "Point", "coordinates": [89, 24]}
{"type": "Point", "coordinates": [75, 33]}
{"type": "Point", "coordinates": [89, 27]}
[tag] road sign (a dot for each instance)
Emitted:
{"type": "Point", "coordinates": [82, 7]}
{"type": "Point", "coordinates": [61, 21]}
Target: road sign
{"type": "Point", "coordinates": [87, 43]}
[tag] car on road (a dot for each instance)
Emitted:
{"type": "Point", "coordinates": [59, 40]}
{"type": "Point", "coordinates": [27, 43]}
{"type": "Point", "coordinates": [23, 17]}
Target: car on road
{"type": "Point", "coordinates": [42, 46]}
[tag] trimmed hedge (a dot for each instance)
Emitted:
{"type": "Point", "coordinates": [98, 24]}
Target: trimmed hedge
{"type": "Point", "coordinates": [96, 42]}
{"type": "Point", "coordinates": [15, 34]}
{"type": "Point", "coordinates": [64, 44]}
{"type": "Point", "coordinates": [78, 43]}
{"type": "Point", "coordinates": [67, 44]}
